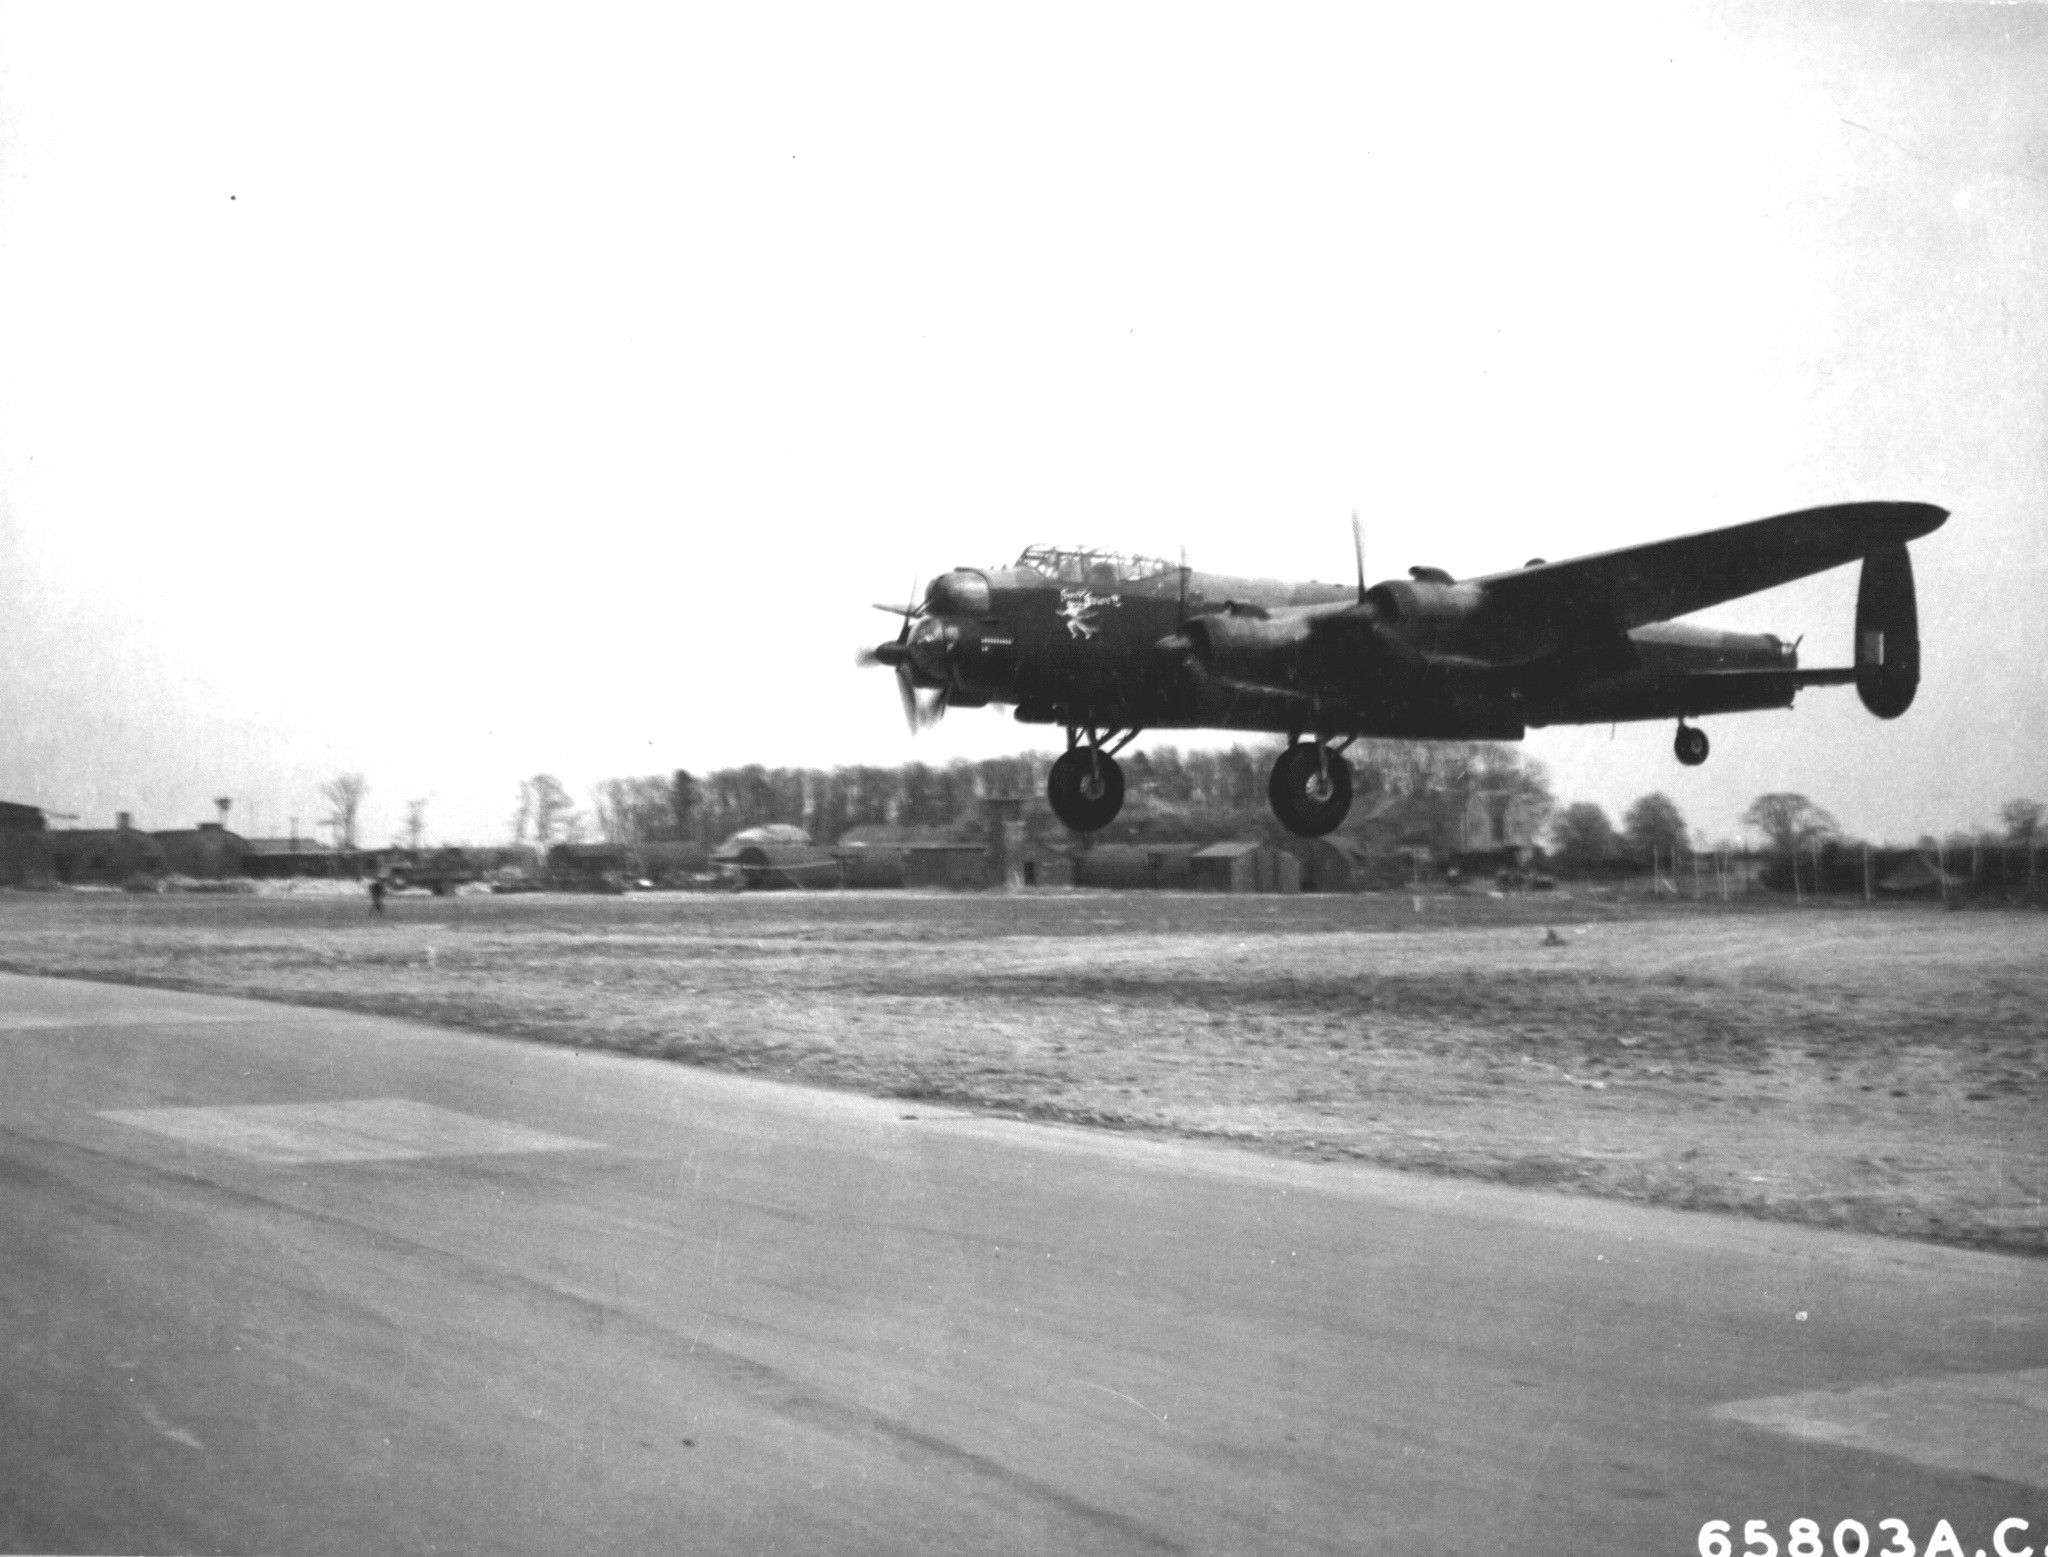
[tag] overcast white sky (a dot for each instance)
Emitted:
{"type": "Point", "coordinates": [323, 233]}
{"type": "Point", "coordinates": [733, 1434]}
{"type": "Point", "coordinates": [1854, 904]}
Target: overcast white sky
{"type": "Point", "coordinates": [453, 393]}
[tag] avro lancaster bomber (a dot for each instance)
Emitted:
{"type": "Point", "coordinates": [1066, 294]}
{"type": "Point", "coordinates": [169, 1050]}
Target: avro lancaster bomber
{"type": "Point", "coordinates": [1109, 645]}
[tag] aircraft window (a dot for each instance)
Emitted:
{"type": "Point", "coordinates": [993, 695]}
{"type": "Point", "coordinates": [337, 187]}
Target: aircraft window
{"type": "Point", "coordinates": [1095, 569]}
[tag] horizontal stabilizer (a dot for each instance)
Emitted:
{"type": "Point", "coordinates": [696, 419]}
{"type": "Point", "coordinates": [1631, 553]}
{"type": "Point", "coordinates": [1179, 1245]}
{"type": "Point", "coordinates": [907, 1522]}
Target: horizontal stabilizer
{"type": "Point", "coordinates": [1792, 680]}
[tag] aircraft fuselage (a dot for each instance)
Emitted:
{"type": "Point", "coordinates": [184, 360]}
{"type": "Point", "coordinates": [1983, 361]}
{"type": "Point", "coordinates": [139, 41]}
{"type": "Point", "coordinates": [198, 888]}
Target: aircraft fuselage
{"type": "Point", "coordinates": [1238, 654]}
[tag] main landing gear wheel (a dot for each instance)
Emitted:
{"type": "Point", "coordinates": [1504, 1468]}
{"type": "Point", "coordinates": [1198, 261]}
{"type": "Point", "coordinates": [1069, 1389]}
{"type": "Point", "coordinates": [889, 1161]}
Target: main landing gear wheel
{"type": "Point", "coordinates": [1691, 746]}
{"type": "Point", "coordinates": [1310, 789]}
{"type": "Point", "coordinates": [1086, 789]}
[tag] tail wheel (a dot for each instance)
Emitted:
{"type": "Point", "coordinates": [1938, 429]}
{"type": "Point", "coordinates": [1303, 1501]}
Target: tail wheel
{"type": "Point", "coordinates": [1310, 789]}
{"type": "Point", "coordinates": [1691, 746]}
{"type": "Point", "coordinates": [1086, 789]}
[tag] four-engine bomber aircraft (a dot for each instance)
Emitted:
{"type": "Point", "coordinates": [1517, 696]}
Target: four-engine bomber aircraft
{"type": "Point", "coordinates": [1109, 645]}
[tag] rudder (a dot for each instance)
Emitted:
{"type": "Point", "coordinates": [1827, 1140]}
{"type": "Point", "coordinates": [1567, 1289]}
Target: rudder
{"type": "Point", "coordinates": [1887, 633]}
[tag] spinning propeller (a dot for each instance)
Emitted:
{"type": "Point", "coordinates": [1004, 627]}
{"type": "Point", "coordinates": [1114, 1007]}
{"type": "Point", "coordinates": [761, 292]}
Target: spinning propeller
{"type": "Point", "coordinates": [924, 705]}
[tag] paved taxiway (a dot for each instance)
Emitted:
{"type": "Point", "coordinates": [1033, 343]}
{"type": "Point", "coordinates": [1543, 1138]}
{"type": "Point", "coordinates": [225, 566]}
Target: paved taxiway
{"type": "Point", "coordinates": [298, 1281]}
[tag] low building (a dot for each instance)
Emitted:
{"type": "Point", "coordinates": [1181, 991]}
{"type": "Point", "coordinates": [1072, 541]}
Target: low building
{"type": "Point", "coordinates": [208, 851]}
{"type": "Point", "coordinates": [672, 863]}
{"type": "Point", "coordinates": [275, 858]}
{"type": "Point", "coordinates": [1245, 866]}
{"type": "Point", "coordinates": [1332, 864]}
{"type": "Point", "coordinates": [594, 866]}
{"type": "Point", "coordinates": [951, 865]}
{"type": "Point", "coordinates": [1135, 866]}
{"type": "Point", "coordinates": [315, 859]}
{"type": "Point", "coordinates": [1034, 865]}
{"type": "Point", "coordinates": [24, 846]}
{"type": "Point", "coordinates": [871, 866]}
{"type": "Point", "coordinates": [877, 855]}
{"type": "Point", "coordinates": [440, 871]}
{"type": "Point", "coordinates": [105, 856]}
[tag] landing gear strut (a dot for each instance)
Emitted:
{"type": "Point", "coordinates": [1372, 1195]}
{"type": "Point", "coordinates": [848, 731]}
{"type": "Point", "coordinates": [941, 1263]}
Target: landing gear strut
{"type": "Point", "coordinates": [1086, 787]}
{"type": "Point", "coordinates": [1310, 788]}
{"type": "Point", "coordinates": [1691, 745]}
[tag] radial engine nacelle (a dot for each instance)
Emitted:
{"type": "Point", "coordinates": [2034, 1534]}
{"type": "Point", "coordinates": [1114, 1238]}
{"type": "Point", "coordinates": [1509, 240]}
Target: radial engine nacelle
{"type": "Point", "coordinates": [1250, 646]}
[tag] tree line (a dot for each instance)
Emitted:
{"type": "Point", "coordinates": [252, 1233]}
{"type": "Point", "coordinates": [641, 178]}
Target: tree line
{"type": "Point", "coordinates": [1173, 792]}
{"type": "Point", "coordinates": [1790, 825]}
{"type": "Point", "coordinates": [1200, 794]}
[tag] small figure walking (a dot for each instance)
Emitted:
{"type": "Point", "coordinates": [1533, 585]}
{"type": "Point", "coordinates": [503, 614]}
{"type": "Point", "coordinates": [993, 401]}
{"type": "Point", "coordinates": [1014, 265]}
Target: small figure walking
{"type": "Point", "coordinates": [376, 894]}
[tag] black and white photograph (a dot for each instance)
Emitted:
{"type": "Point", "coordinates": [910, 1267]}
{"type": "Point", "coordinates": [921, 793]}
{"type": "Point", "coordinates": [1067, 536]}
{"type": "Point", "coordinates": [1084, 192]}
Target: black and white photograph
{"type": "Point", "coordinates": [1063, 779]}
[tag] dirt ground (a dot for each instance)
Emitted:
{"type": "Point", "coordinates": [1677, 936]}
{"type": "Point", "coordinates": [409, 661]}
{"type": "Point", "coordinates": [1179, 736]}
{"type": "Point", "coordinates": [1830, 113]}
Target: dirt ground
{"type": "Point", "coordinates": [1880, 1069]}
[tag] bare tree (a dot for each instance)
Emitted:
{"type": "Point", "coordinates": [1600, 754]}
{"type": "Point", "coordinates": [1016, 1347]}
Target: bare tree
{"type": "Point", "coordinates": [416, 822]}
{"type": "Point", "coordinates": [345, 793]}
{"type": "Point", "coordinates": [634, 810]}
{"type": "Point", "coordinates": [683, 798]}
{"type": "Point", "coordinates": [618, 812]}
{"type": "Point", "coordinates": [554, 813]}
{"type": "Point", "coordinates": [522, 814]}
{"type": "Point", "coordinates": [611, 811]}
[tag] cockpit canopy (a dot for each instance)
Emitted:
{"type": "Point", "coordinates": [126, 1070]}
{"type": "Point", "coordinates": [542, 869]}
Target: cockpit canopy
{"type": "Point", "coordinates": [1094, 569]}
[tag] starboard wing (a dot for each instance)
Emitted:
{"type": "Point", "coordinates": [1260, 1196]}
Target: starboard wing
{"type": "Point", "coordinates": [1655, 582]}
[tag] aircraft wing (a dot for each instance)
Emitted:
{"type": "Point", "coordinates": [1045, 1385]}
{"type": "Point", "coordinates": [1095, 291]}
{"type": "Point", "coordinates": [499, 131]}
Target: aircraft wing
{"type": "Point", "coordinates": [1663, 579]}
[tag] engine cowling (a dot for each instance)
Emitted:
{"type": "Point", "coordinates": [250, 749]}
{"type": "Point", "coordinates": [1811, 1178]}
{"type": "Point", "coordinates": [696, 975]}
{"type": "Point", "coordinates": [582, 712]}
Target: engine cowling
{"type": "Point", "coordinates": [1253, 648]}
{"type": "Point", "coordinates": [1431, 615]}
{"type": "Point", "coordinates": [1887, 633]}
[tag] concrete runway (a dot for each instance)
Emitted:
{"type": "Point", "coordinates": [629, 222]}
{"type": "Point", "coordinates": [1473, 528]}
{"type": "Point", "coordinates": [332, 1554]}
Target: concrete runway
{"type": "Point", "coordinates": [294, 1281]}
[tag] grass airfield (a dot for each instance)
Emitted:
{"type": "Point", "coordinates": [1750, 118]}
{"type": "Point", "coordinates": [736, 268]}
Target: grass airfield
{"type": "Point", "coordinates": [1876, 1069]}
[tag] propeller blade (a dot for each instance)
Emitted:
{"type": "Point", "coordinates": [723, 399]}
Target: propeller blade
{"type": "Point", "coordinates": [917, 713]}
{"type": "Point", "coordinates": [907, 690]}
{"type": "Point", "coordinates": [1183, 617]}
{"type": "Point", "coordinates": [1358, 548]}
